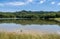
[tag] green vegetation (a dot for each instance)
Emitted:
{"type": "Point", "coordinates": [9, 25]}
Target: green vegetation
{"type": "Point", "coordinates": [28, 36]}
{"type": "Point", "coordinates": [30, 14]}
{"type": "Point", "coordinates": [57, 19]}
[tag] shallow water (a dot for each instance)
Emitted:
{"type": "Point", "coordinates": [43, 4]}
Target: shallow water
{"type": "Point", "coordinates": [13, 27]}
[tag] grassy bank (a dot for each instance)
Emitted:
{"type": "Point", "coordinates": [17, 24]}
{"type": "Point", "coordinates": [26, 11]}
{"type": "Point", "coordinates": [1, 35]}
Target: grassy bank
{"type": "Point", "coordinates": [28, 36]}
{"type": "Point", "coordinates": [57, 19]}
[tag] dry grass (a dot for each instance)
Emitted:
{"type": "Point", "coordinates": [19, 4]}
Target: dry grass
{"type": "Point", "coordinates": [4, 35]}
{"type": "Point", "coordinates": [58, 19]}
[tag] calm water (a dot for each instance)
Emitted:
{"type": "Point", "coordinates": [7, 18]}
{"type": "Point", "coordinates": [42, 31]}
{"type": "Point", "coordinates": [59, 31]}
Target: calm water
{"type": "Point", "coordinates": [29, 25]}
{"type": "Point", "coordinates": [12, 27]}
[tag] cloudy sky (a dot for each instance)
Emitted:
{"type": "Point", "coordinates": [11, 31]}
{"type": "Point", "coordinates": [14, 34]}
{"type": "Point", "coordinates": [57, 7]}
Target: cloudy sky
{"type": "Point", "coordinates": [29, 5]}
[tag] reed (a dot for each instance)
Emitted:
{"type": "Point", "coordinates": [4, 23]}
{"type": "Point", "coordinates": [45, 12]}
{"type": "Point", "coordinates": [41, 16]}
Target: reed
{"type": "Point", "coordinates": [28, 36]}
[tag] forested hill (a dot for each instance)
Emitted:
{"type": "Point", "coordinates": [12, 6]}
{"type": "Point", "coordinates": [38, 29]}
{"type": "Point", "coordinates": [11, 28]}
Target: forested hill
{"type": "Point", "coordinates": [30, 14]}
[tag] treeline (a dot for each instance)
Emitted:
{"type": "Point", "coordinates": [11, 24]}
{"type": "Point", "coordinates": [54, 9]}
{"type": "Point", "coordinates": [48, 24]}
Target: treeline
{"type": "Point", "coordinates": [30, 14]}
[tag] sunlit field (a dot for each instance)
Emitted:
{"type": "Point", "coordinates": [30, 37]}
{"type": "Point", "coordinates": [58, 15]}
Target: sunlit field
{"type": "Point", "coordinates": [28, 36]}
{"type": "Point", "coordinates": [57, 19]}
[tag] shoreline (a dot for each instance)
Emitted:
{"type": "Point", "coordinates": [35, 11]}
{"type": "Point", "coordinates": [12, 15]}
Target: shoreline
{"type": "Point", "coordinates": [30, 32]}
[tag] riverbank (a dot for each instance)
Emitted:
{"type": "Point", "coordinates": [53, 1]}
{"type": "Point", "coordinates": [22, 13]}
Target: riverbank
{"type": "Point", "coordinates": [57, 19]}
{"type": "Point", "coordinates": [5, 35]}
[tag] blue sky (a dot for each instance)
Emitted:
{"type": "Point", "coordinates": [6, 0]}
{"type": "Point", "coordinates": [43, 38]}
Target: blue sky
{"type": "Point", "coordinates": [29, 5]}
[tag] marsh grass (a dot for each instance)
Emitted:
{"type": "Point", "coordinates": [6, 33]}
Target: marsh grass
{"type": "Point", "coordinates": [57, 19]}
{"type": "Point", "coordinates": [28, 36]}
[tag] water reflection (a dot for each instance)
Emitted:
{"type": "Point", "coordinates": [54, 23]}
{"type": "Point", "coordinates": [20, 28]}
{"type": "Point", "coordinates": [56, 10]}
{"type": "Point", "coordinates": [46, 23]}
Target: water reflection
{"type": "Point", "coordinates": [29, 25]}
{"type": "Point", "coordinates": [24, 22]}
{"type": "Point", "coordinates": [12, 27]}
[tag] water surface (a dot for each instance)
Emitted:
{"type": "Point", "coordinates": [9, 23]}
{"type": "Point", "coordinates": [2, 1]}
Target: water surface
{"type": "Point", "coordinates": [17, 25]}
{"type": "Point", "coordinates": [12, 27]}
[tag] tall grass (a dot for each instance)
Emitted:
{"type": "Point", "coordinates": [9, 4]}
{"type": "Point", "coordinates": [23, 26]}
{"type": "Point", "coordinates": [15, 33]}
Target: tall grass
{"type": "Point", "coordinates": [58, 19]}
{"type": "Point", "coordinates": [28, 36]}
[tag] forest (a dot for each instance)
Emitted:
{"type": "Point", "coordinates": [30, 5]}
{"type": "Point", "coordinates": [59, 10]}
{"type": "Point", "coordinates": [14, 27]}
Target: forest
{"type": "Point", "coordinates": [30, 14]}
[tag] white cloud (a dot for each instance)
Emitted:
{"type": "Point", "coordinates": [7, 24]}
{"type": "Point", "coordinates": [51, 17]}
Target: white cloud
{"type": "Point", "coordinates": [30, 0]}
{"type": "Point", "coordinates": [15, 3]}
{"type": "Point", "coordinates": [58, 3]}
{"type": "Point", "coordinates": [42, 1]}
{"type": "Point", "coordinates": [52, 2]}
